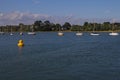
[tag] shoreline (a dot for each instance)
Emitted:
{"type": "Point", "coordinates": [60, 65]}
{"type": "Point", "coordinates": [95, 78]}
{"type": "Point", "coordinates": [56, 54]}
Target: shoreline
{"type": "Point", "coordinates": [63, 31]}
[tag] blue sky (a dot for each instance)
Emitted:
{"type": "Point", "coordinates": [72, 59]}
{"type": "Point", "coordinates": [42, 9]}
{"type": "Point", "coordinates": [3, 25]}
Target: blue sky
{"type": "Point", "coordinates": [85, 9]}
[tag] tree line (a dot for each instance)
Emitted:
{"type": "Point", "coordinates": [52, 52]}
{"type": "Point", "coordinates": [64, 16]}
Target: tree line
{"type": "Point", "coordinates": [48, 26]}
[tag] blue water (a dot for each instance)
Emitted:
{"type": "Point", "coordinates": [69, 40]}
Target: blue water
{"type": "Point", "coordinates": [47, 56]}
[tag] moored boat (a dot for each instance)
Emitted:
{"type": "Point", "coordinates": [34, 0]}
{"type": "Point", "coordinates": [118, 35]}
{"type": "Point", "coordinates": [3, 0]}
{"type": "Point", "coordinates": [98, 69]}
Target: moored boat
{"type": "Point", "coordinates": [113, 33]}
{"type": "Point", "coordinates": [60, 33]}
{"type": "Point", "coordinates": [79, 34]}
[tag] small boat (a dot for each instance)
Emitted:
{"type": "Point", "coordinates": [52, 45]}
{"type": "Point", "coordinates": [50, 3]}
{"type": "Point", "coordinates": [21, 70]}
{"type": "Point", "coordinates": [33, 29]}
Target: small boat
{"type": "Point", "coordinates": [79, 34]}
{"type": "Point", "coordinates": [21, 33]}
{"type": "Point", "coordinates": [11, 34]}
{"type": "Point", "coordinates": [94, 34]}
{"type": "Point", "coordinates": [60, 33]}
{"type": "Point", "coordinates": [113, 33]}
{"type": "Point", "coordinates": [31, 33]}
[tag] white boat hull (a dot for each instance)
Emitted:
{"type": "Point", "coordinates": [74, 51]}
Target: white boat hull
{"type": "Point", "coordinates": [113, 34]}
{"type": "Point", "coordinates": [60, 34]}
{"type": "Point", "coordinates": [94, 34]}
{"type": "Point", "coordinates": [11, 34]}
{"type": "Point", "coordinates": [31, 33]}
{"type": "Point", "coordinates": [21, 33]}
{"type": "Point", "coordinates": [79, 34]}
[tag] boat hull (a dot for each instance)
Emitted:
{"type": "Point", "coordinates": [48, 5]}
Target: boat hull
{"type": "Point", "coordinates": [60, 34]}
{"type": "Point", "coordinates": [79, 34]}
{"type": "Point", "coordinates": [94, 34]}
{"type": "Point", "coordinates": [31, 33]}
{"type": "Point", "coordinates": [113, 34]}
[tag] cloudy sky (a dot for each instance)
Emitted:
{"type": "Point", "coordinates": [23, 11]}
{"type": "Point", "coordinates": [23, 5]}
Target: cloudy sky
{"type": "Point", "coordinates": [73, 11]}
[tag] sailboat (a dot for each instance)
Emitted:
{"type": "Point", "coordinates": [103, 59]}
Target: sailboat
{"type": "Point", "coordinates": [32, 32]}
{"type": "Point", "coordinates": [94, 33]}
{"type": "Point", "coordinates": [21, 30]}
{"type": "Point", "coordinates": [79, 33]}
{"type": "Point", "coordinates": [60, 33]}
{"type": "Point", "coordinates": [21, 33]}
{"type": "Point", "coordinates": [113, 33]}
{"type": "Point", "coordinates": [11, 33]}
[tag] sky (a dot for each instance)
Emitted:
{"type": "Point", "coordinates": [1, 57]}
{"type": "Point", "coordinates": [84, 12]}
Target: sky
{"type": "Point", "coordinates": [59, 11]}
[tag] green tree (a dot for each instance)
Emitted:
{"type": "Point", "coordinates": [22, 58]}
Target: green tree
{"type": "Point", "coordinates": [47, 26]}
{"type": "Point", "coordinates": [85, 26]}
{"type": "Point", "coordinates": [67, 26]}
{"type": "Point", "coordinates": [76, 28]}
{"type": "Point", "coordinates": [58, 27]}
{"type": "Point", "coordinates": [38, 25]}
{"type": "Point", "coordinates": [107, 26]}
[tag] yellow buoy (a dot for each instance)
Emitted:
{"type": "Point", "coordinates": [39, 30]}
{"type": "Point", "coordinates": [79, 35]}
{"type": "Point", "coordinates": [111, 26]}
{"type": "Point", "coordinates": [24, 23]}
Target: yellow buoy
{"type": "Point", "coordinates": [20, 43]}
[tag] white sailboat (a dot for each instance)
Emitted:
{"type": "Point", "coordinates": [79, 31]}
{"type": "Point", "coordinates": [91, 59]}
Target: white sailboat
{"type": "Point", "coordinates": [79, 33]}
{"type": "Point", "coordinates": [21, 33]}
{"type": "Point", "coordinates": [60, 33]}
{"type": "Point", "coordinates": [32, 32]}
{"type": "Point", "coordinates": [21, 29]}
{"type": "Point", "coordinates": [11, 33]}
{"type": "Point", "coordinates": [94, 33]}
{"type": "Point", "coordinates": [113, 33]}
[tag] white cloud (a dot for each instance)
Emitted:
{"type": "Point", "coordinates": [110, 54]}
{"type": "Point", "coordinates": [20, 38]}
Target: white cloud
{"type": "Point", "coordinates": [16, 17]}
{"type": "Point", "coordinates": [19, 17]}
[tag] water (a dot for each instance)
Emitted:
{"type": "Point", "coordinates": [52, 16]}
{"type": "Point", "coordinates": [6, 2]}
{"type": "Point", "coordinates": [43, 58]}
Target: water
{"type": "Point", "coordinates": [47, 56]}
